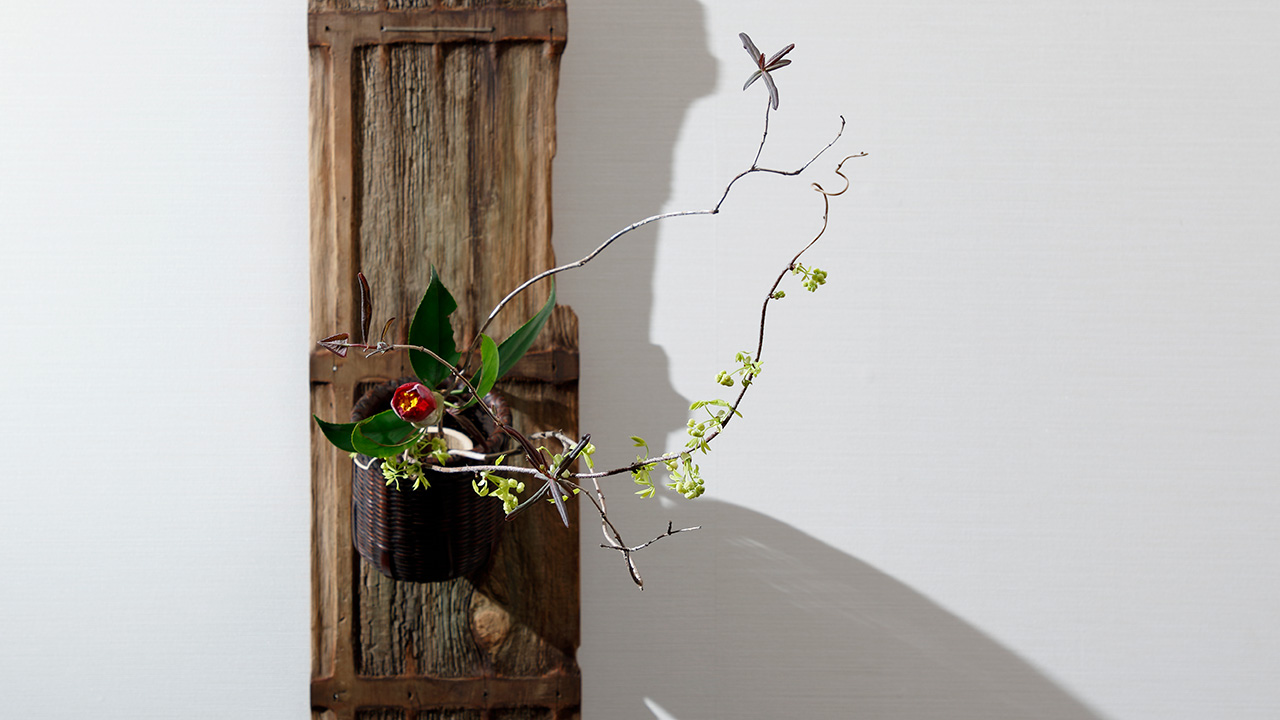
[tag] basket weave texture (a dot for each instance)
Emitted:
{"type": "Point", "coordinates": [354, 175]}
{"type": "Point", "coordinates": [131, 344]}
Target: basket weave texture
{"type": "Point", "coordinates": [439, 533]}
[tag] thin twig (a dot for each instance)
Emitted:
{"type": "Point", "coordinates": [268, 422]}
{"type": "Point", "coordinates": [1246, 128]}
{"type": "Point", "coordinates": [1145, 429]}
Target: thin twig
{"type": "Point", "coordinates": [763, 137]}
{"type": "Point", "coordinates": [733, 408]}
{"type": "Point", "coordinates": [749, 377]}
{"type": "Point", "coordinates": [487, 468]}
{"type": "Point", "coordinates": [755, 168]}
{"type": "Point", "coordinates": [787, 173]}
{"type": "Point", "coordinates": [769, 297]}
{"type": "Point", "coordinates": [627, 551]}
{"type": "Point", "coordinates": [670, 531]}
{"type": "Point", "coordinates": [610, 531]}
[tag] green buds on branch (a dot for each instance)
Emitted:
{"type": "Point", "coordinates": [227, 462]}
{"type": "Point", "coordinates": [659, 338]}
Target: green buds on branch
{"type": "Point", "coordinates": [748, 368]}
{"type": "Point", "coordinates": [412, 462]}
{"type": "Point", "coordinates": [504, 489]}
{"type": "Point", "coordinates": [813, 277]}
{"type": "Point", "coordinates": [686, 478]}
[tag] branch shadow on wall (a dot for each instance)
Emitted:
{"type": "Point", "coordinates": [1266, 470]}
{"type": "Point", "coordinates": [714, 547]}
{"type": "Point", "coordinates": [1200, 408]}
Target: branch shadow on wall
{"type": "Point", "coordinates": [793, 627]}
{"type": "Point", "coordinates": [749, 617]}
{"type": "Point", "coordinates": [642, 66]}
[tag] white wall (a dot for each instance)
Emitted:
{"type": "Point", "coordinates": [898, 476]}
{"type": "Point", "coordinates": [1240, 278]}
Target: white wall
{"type": "Point", "coordinates": [153, 240]}
{"type": "Point", "coordinates": [1020, 457]}
{"type": "Point", "coordinates": [1024, 441]}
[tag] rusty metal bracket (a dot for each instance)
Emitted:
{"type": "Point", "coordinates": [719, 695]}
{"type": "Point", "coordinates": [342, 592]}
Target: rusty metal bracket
{"type": "Point", "coordinates": [559, 692]}
{"type": "Point", "coordinates": [548, 23]}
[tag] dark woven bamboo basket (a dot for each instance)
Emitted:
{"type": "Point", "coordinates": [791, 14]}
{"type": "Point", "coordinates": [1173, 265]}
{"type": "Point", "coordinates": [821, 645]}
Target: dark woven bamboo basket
{"type": "Point", "coordinates": [442, 532]}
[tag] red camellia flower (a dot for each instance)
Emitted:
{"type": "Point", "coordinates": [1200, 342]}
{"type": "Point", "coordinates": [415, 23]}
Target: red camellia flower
{"type": "Point", "coordinates": [413, 402]}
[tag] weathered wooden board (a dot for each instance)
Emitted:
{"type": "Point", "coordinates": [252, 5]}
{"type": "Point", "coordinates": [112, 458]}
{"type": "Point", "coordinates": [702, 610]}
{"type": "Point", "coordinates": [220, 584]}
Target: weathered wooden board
{"type": "Point", "coordinates": [432, 136]}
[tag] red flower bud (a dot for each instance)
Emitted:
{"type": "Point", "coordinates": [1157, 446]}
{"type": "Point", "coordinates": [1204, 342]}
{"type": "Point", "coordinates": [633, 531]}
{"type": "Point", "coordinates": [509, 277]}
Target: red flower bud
{"type": "Point", "coordinates": [413, 402]}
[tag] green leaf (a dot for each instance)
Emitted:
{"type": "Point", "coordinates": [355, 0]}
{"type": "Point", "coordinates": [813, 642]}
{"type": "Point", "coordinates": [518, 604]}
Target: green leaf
{"type": "Point", "coordinates": [515, 346]}
{"type": "Point", "coordinates": [383, 435]}
{"type": "Point", "coordinates": [431, 329]}
{"type": "Point", "coordinates": [337, 433]}
{"type": "Point", "coordinates": [488, 369]}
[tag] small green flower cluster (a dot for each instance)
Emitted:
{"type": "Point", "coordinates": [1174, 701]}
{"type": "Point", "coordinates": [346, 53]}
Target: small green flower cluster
{"type": "Point", "coordinates": [686, 477]}
{"type": "Point", "coordinates": [813, 277]}
{"type": "Point", "coordinates": [687, 480]}
{"type": "Point", "coordinates": [699, 430]}
{"type": "Point", "coordinates": [411, 464]}
{"type": "Point", "coordinates": [747, 368]}
{"type": "Point", "coordinates": [504, 489]}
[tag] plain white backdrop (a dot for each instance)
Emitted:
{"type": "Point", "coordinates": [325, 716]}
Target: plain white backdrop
{"type": "Point", "coordinates": [1019, 458]}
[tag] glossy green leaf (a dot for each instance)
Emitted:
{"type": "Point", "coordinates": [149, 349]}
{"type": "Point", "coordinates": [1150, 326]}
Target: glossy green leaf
{"type": "Point", "coordinates": [515, 346]}
{"type": "Point", "coordinates": [337, 433]}
{"type": "Point", "coordinates": [488, 368]}
{"type": "Point", "coordinates": [431, 329]}
{"type": "Point", "coordinates": [383, 435]}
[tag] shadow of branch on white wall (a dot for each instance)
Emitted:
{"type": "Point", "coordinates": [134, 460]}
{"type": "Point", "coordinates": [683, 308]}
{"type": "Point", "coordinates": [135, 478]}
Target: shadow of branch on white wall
{"type": "Point", "coordinates": [749, 617]}
{"type": "Point", "coordinates": [752, 618]}
{"type": "Point", "coordinates": [629, 75]}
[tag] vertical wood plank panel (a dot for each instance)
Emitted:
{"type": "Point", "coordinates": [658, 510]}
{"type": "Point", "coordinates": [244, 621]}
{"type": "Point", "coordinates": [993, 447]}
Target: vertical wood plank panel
{"type": "Point", "coordinates": [437, 154]}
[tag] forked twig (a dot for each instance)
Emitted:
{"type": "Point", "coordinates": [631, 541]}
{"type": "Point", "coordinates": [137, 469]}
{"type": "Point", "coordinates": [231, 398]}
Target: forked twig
{"type": "Point", "coordinates": [755, 168]}
{"type": "Point", "coordinates": [627, 551]}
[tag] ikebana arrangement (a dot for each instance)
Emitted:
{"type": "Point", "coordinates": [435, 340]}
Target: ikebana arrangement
{"type": "Point", "coordinates": [416, 442]}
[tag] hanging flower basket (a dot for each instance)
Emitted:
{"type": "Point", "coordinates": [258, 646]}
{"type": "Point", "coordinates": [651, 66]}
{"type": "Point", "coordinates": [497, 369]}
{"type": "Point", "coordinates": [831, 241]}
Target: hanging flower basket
{"type": "Point", "coordinates": [426, 535]}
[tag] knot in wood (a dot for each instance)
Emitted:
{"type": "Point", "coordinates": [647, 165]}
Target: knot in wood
{"type": "Point", "coordinates": [490, 623]}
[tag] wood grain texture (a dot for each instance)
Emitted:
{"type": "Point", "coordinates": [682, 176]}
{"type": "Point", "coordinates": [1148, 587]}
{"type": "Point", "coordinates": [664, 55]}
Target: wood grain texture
{"type": "Point", "coordinates": [428, 195]}
{"type": "Point", "coordinates": [438, 155]}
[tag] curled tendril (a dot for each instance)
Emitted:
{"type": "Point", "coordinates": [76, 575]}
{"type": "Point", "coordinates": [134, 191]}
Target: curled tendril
{"type": "Point", "coordinates": [819, 188]}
